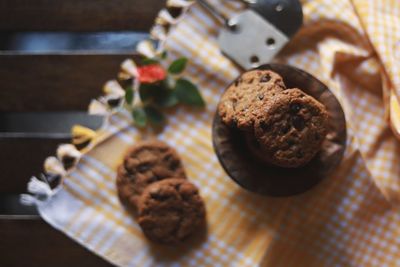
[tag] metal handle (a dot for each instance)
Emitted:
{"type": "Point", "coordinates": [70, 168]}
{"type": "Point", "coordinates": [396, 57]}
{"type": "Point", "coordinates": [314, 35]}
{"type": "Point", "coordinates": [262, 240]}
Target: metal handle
{"type": "Point", "coordinates": [218, 15]}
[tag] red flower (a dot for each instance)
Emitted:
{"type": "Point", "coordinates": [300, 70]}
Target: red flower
{"type": "Point", "coordinates": [151, 73]}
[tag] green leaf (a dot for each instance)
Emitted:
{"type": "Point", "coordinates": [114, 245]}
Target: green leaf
{"type": "Point", "coordinates": [178, 65]}
{"type": "Point", "coordinates": [166, 98]}
{"type": "Point", "coordinates": [148, 92]}
{"type": "Point", "coordinates": [139, 117]}
{"type": "Point", "coordinates": [164, 54]}
{"type": "Point", "coordinates": [154, 116]}
{"type": "Point", "coordinates": [158, 94]}
{"type": "Point", "coordinates": [187, 93]}
{"type": "Point", "coordinates": [129, 95]}
{"type": "Point", "coordinates": [149, 61]}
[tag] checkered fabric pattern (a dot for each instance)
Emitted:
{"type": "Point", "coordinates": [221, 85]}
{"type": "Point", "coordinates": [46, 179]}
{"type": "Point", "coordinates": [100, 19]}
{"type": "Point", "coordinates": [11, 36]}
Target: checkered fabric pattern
{"type": "Point", "coordinates": [350, 219]}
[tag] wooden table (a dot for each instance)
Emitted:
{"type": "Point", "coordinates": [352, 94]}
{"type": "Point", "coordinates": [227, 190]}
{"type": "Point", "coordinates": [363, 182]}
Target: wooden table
{"type": "Point", "coordinates": [34, 81]}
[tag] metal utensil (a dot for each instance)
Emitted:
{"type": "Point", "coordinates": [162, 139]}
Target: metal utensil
{"type": "Point", "coordinates": [285, 15]}
{"type": "Point", "coordinates": [255, 36]}
{"type": "Point", "coordinates": [218, 15]}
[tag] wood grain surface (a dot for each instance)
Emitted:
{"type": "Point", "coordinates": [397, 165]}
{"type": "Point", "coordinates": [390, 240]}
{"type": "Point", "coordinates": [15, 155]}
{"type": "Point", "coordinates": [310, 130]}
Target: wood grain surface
{"type": "Point", "coordinates": [32, 242]}
{"type": "Point", "coordinates": [20, 158]}
{"type": "Point", "coordinates": [78, 15]}
{"type": "Point", "coordinates": [54, 82]}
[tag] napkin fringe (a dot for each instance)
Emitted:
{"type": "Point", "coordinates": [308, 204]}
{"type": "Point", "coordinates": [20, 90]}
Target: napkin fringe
{"type": "Point", "coordinates": [35, 186]}
{"type": "Point", "coordinates": [40, 192]}
{"type": "Point", "coordinates": [29, 200]}
{"type": "Point", "coordinates": [68, 155]}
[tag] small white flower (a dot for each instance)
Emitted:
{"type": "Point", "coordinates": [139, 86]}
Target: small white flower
{"type": "Point", "coordinates": [114, 94]}
{"type": "Point", "coordinates": [54, 166]}
{"type": "Point", "coordinates": [161, 20]}
{"type": "Point", "coordinates": [179, 3]}
{"type": "Point", "coordinates": [113, 88]}
{"type": "Point", "coordinates": [147, 49]}
{"type": "Point", "coordinates": [68, 155]}
{"type": "Point", "coordinates": [177, 8]}
{"type": "Point", "coordinates": [122, 75]}
{"type": "Point", "coordinates": [158, 32]}
{"type": "Point", "coordinates": [112, 101]}
{"type": "Point", "coordinates": [165, 16]}
{"type": "Point", "coordinates": [97, 107]}
{"type": "Point", "coordinates": [129, 67]}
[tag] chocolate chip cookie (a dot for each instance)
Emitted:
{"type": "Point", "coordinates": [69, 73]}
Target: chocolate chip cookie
{"type": "Point", "coordinates": [145, 163]}
{"type": "Point", "coordinates": [244, 98]}
{"type": "Point", "coordinates": [291, 128]}
{"type": "Point", "coordinates": [170, 210]}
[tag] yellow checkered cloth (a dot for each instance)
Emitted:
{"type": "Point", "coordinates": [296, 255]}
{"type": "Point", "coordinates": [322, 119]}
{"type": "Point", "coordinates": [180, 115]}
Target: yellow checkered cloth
{"type": "Point", "coordinates": [350, 219]}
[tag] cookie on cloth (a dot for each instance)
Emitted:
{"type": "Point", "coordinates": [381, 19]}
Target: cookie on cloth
{"type": "Point", "coordinates": [245, 97]}
{"type": "Point", "coordinates": [291, 128]}
{"type": "Point", "coordinates": [145, 163]}
{"type": "Point", "coordinates": [171, 210]}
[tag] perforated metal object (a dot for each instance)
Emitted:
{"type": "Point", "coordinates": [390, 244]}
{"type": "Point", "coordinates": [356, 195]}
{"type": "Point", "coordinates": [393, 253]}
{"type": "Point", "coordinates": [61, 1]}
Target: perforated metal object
{"type": "Point", "coordinates": [253, 41]}
{"type": "Point", "coordinates": [256, 36]}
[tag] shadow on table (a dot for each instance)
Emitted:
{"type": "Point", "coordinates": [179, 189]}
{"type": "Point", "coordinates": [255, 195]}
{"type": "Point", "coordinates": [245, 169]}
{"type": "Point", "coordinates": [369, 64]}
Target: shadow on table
{"type": "Point", "coordinates": [323, 224]}
{"type": "Point", "coordinates": [166, 254]}
{"type": "Point", "coordinates": [298, 223]}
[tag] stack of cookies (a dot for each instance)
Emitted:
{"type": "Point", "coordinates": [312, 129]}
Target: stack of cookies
{"type": "Point", "coordinates": [151, 182]}
{"type": "Point", "coordinates": [283, 126]}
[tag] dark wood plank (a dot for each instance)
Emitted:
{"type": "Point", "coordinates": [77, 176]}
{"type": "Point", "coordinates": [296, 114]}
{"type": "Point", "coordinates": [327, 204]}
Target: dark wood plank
{"type": "Point", "coordinates": [11, 207]}
{"type": "Point", "coordinates": [54, 82]}
{"type": "Point", "coordinates": [45, 124]}
{"type": "Point", "coordinates": [20, 158]}
{"type": "Point", "coordinates": [35, 243]}
{"type": "Point", "coordinates": [78, 15]}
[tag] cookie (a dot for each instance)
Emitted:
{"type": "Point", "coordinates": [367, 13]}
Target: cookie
{"type": "Point", "coordinates": [145, 163]}
{"type": "Point", "coordinates": [291, 129]}
{"type": "Point", "coordinates": [170, 210]}
{"type": "Point", "coordinates": [243, 99]}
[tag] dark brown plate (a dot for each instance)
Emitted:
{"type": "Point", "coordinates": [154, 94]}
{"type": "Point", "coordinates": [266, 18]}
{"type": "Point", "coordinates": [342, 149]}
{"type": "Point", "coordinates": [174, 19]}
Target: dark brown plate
{"type": "Point", "coordinates": [256, 176]}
